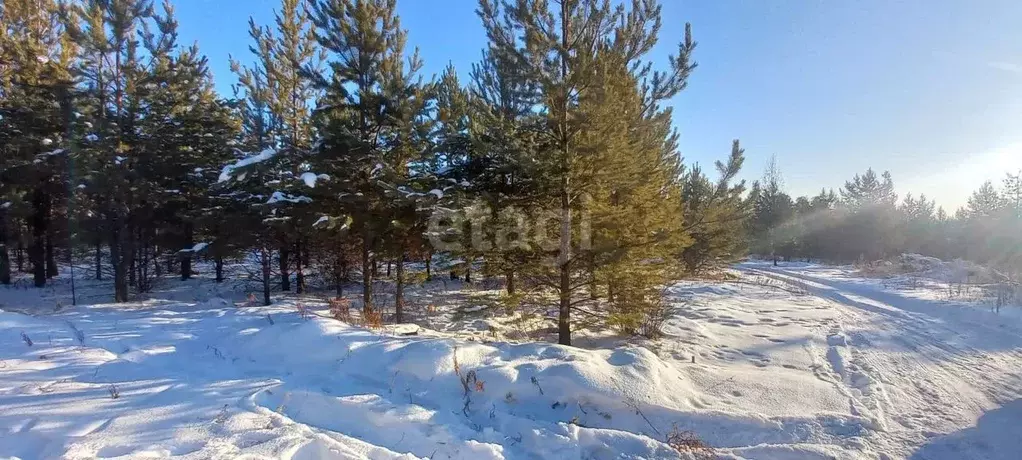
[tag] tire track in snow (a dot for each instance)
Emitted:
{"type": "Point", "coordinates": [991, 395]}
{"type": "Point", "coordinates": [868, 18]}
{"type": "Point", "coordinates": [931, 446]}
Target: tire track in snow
{"type": "Point", "coordinates": [929, 379]}
{"type": "Point", "coordinates": [930, 337]}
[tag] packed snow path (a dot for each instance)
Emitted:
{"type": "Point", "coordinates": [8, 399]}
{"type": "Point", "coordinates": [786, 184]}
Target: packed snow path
{"type": "Point", "coordinates": [920, 368]}
{"type": "Point", "coordinates": [795, 362]}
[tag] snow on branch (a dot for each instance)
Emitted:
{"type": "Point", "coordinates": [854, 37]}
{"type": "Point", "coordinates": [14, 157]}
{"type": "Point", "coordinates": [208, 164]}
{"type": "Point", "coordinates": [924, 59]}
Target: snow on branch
{"type": "Point", "coordinates": [310, 178]}
{"type": "Point", "coordinates": [194, 249]}
{"type": "Point", "coordinates": [279, 196]}
{"type": "Point", "coordinates": [226, 173]}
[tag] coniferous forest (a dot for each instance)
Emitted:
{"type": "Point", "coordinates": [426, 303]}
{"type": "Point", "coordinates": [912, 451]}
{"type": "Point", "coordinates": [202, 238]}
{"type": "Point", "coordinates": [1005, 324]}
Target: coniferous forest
{"type": "Point", "coordinates": [553, 167]}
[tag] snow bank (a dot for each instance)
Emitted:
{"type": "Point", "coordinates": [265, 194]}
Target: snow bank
{"type": "Point", "coordinates": [958, 270]}
{"type": "Point", "coordinates": [920, 266]}
{"type": "Point", "coordinates": [255, 372]}
{"type": "Point", "coordinates": [535, 399]}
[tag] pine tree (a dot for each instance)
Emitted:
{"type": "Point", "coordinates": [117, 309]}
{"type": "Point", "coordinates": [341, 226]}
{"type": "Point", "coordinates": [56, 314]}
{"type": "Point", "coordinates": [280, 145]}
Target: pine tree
{"type": "Point", "coordinates": [495, 152]}
{"type": "Point", "coordinates": [635, 236]}
{"type": "Point", "coordinates": [185, 134]}
{"type": "Point", "coordinates": [715, 213]}
{"type": "Point", "coordinates": [564, 50]}
{"type": "Point", "coordinates": [773, 215]}
{"type": "Point", "coordinates": [245, 186]}
{"type": "Point", "coordinates": [36, 92]}
{"type": "Point", "coordinates": [110, 69]}
{"type": "Point", "coordinates": [295, 54]}
{"type": "Point", "coordinates": [358, 116]}
{"type": "Point", "coordinates": [918, 229]}
{"type": "Point", "coordinates": [870, 231]}
{"type": "Point", "coordinates": [818, 225]}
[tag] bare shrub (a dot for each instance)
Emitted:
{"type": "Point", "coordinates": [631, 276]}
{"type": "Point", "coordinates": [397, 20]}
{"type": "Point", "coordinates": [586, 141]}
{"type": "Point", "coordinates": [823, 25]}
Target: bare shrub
{"type": "Point", "coordinates": [1007, 293]}
{"type": "Point", "coordinates": [792, 286]}
{"type": "Point", "coordinates": [79, 335]}
{"type": "Point", "coordinates": [686, 442]}
{"type": "Point", "coordinates": [657, 310]}
{"type": "Point", "coordinates": [340, 309]}
{"type": "Point", "coordinates": [469, 383]}
{"type": "Point", "coordinates": [373, 318]}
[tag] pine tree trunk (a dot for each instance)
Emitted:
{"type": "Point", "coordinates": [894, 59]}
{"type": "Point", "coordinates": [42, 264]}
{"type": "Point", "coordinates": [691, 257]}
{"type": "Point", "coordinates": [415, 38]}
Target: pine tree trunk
{"type": "Point", "coordinates": [265, 259]}
{"type": "Point", "coordinates": [299, 271]}
{"type": "Point", "coordinates": [340, 270]}
{"type": "Point", "coordinates": [399, 291]}
{"type": "Point", "coordinates": [564, 256]}
{"type": "Point", "coordinates": [21, 255]}
{"type": "Point", "coordinates": [468, 273]}
{"type": "Point", "coordinates": [564, 316]}
{"type": "Point", "coordinates": [119, 255]}
{"type": "Point", "coordinates": [5, 258]}
{"type": "Point", "coordinates": [37, 252]}
{"type": "Point", "coordinates": [115, 264]}
{"type": "Point", "coordinates": [219, 264]}
{"type": "Point", "coordinates": [367, 273]}
{"type": "Point", "coordinates": [51, 257]}
{"type": "Point", "coordinates": [510, 275]}
{"type": "Point", "coordinates": [142, 263]}
{"type": "Point", "coordinates": [131, 258]}
{"type": "Point", "coordinates": [156, 261]}
{"type": "Point", "coordinates": [128, 259]}
{"type": "Point", "coordinates": [186, 258]}
{"type": "Point", "coordinates": [285, 277]}
{"type": "Point", "coordinates": [388, 268]}
{"type": "Point", "coordinates": [99, 258]}
{"type": "Point", "coordinates": [131, 269]}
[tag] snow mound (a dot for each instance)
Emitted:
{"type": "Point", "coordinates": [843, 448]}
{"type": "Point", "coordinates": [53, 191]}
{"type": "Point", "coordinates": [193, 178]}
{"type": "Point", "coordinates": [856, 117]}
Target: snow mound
{"type": "Point", "coordinates": [413, 388]}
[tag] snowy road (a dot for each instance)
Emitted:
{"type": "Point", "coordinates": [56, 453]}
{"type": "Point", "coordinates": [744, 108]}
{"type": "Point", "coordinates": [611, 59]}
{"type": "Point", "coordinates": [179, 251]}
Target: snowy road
{"type": "Point", "coordinates": [925, 371]}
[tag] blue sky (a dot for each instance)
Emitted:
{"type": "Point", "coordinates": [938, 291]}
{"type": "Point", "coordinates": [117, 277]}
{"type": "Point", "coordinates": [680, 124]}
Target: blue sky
{"type": "Point", "coordinates": [930, 90]}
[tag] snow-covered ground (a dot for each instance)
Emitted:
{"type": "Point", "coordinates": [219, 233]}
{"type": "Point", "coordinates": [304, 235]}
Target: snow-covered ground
{"type": "Point", "coordinates": [793, 362]}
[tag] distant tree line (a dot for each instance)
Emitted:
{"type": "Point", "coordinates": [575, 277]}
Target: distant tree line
{"type": "Point", "coordinates": [334, 154]}
{"type": "Point", "coordinates": [865, 221]}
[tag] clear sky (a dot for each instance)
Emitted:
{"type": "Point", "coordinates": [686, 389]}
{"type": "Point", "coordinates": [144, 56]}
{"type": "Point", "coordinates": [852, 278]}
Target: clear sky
{"type": "Point", "coordinates": [930, 90]}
